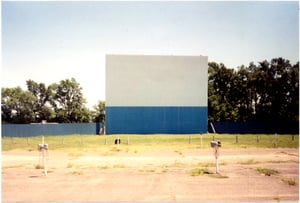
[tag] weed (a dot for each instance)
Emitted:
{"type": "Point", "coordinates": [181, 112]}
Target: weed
{"type": "Point", "coordinates": [249, 162]}
{"type": "Point", "coordinates": [277, 199]}
{"type": "Point", "coordinates": [289, 181]}
{"type": "Point", "coordinates": [267, 171]}
{"type": "Point", "coordinates": [115, 149]}
{"type": "Point", "coordinates": [103, 167]}
{"type": "Point", "coordinates": [119, 166]}
{"type": "Point", "coordinates": [178, 152]}
{"type": "Point", "coordinates": [13, 166]}
{"type": "Point", "coordinates": [164, 170]}
{"type": "Point", "coordinates": [217, 175]}
{"type": "Point", "coordinates": [178, 165]}
{"type": "Point", "coordinates": [76, 173]}
{"type": "Point", "coordinates": [70, 165]}
{"type": "Point", "coordinates": [147, 170]}
{"type": "Point", "coordinates": [39, 166]}
{"type": "Point", "coordinates": [198, 171]}
{"type": "Point", "coordinates": [205, 164]}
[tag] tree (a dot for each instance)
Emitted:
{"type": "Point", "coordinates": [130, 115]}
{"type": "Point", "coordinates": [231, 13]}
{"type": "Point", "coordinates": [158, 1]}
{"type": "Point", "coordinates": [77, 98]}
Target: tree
{"type": "Point", "coordinates": [99, 112]}
{"type": "Point", "coordinates": [267, 91]}
{"type": "Point", "coordinates": [42, 109]}
{"type": "Point", "coordinates": [68, 102]}
{"type": "Point", "coordinates": [221, 102]}
{"type": "Point", "coordinates": [17, 105]}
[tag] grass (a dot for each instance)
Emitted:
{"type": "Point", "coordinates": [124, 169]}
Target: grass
{"type": "Point", "coordinates": [142, 143]}
{"type": "Point", "coordinates": [77, 173]}
{"type": "Point", "coordinates": [249, 162]}
{"type": "Point", "coordinates": [39, 166]}
{"type": "Point", "coordinates": [119, 166]}
{"type": "Point", "coordinates": [218, 175]}
{"type": "Point", "coordinates": [103, 167]}
{"type": "Point", "coordinates": [13, 166]}
{"type": "Point", "coordinates": [70, 165]}
{"type": "Point", "coordinates": [198, 171]}
{"type": "Point", "coordinates": [267, 171]}
{"type": "Point", "coordinates": [289, 181]}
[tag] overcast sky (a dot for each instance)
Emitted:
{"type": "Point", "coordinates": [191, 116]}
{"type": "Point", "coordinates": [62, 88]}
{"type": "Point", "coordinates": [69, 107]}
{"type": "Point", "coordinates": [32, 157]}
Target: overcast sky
{"type": "Point", "coordinates": [51, 41]}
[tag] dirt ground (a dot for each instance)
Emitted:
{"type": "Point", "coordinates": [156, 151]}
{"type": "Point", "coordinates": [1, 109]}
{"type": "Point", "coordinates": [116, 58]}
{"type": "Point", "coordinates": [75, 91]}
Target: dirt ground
{"type": "Point", "coordinates": [163, 175]}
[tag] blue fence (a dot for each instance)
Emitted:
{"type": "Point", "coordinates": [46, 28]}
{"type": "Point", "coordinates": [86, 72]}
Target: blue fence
{"type": "Point", "coordinates": [262, 127]}
{"type": "Point", "coordinates": [25, 130]}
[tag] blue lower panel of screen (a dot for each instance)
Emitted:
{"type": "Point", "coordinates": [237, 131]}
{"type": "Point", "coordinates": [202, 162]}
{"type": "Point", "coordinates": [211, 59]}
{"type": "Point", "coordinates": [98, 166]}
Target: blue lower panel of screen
{"type": "Point", "coordinates": [149, 120]}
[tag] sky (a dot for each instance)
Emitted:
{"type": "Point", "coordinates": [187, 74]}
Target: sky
{"type": "Point", "coordinates": [53, 41]}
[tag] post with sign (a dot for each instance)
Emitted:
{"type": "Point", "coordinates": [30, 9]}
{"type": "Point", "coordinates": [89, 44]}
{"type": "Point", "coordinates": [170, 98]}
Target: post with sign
{"type": "Point", "coordinates": [215, 145]}
{"type": "Point", "coordinates": [43, 148]}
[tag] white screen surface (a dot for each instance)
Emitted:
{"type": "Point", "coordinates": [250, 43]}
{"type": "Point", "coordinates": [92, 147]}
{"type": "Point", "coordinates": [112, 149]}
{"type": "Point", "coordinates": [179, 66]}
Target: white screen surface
{"type": "Point", "coordinates": [148, 80]}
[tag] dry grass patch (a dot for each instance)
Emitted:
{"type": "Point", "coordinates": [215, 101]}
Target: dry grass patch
{"type": "Point", "coordinates": [249, 162]}
{"type": "Point", "coordinates": [199, 171]}
{"type": "Point", "coordinates": [39, 166]}
{"type": "Point", "coordinates": [267, 171]}
{"type": "Point", "coordinates": [289, 181]}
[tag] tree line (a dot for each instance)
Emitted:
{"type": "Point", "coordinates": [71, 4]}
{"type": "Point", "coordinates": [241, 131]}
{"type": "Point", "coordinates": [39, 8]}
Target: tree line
{"type": "Point", "coordinates": [61, 102]}
{"type": "Point", "coordinates": [266, 91]}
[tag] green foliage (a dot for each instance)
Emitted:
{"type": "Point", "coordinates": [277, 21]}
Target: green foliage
{"type": "Point", "coordinates": [62, 102]}
{"type": "Point", "coordinates": [17, 106]}
{"type": "Point", "coordinates": [99, 112]}
{"type": "Point", "coordinates": [267, 91]}
{"type": "Point", "coordinates": [68, 102]}
{"type": "Point", "coordinates": [42, 94]}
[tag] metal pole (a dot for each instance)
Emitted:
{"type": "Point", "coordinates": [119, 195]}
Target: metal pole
{"type": "Point", "coordinates": [217, 161]}
{"type": "Point", "coordinates": [276, 140]}
{"type": "Point", "coordinates": [217, 165]}
{"type": "Point", "coordinates": [44, 162]}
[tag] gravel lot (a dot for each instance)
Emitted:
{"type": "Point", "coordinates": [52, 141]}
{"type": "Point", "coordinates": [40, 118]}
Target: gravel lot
{"type": "Point", "coordinates": [162, 175]}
